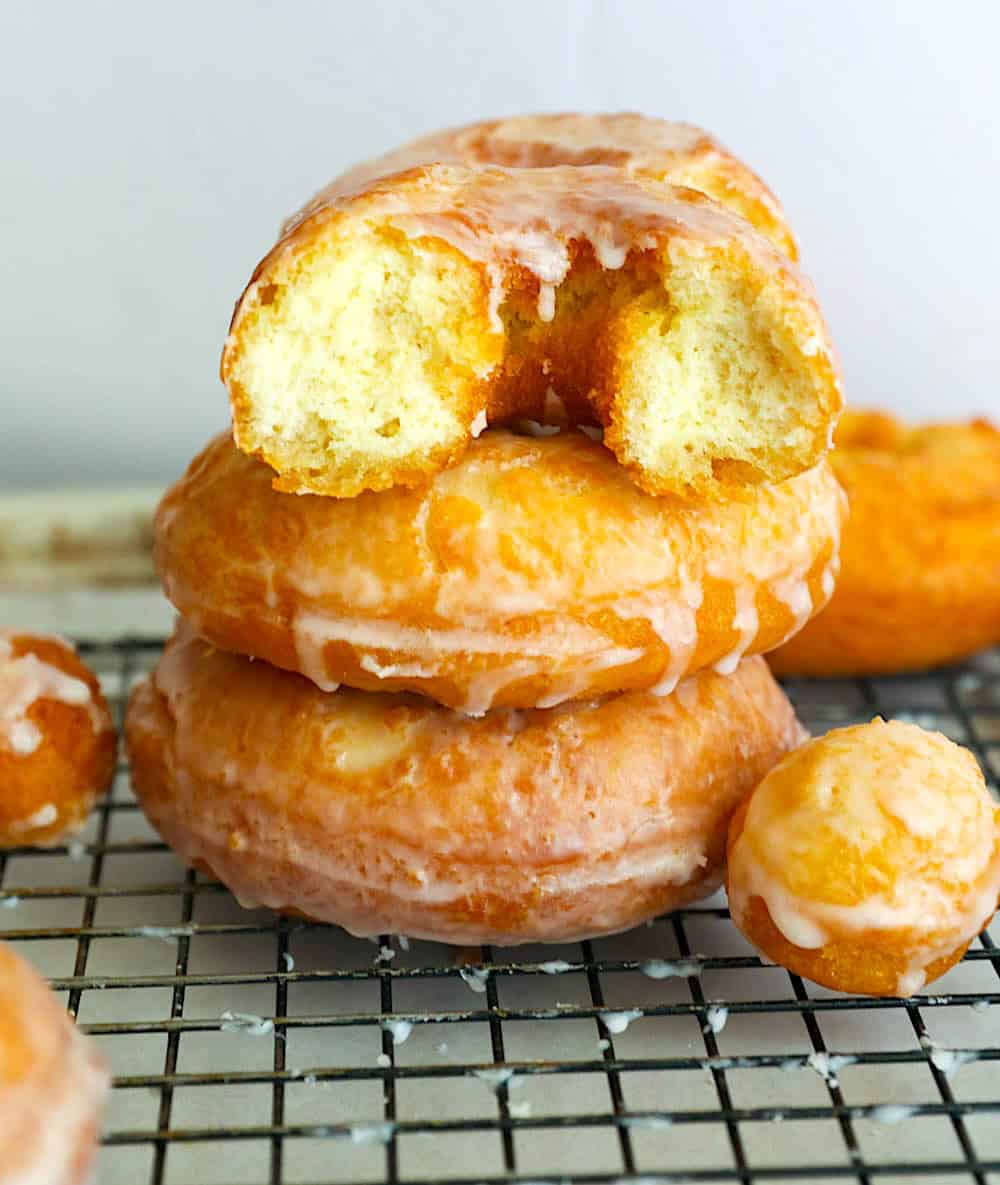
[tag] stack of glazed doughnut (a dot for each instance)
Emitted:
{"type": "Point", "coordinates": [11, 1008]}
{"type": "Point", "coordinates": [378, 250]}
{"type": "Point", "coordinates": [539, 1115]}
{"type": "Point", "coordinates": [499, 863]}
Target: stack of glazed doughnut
{"type": "Point", "coordinates": [527, 472]}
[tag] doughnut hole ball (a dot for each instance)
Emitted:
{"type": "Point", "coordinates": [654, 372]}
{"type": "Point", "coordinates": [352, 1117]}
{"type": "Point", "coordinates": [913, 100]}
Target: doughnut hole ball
{"type": "Point", "coordinates": [868, 859]}
{"type": "Point", "coordinates": [57, 740]}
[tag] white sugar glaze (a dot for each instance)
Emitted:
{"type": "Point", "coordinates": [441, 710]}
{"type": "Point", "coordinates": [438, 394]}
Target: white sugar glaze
{"type": "Point", "coordinates": [892, 1113]}
{"type": "Point", "coordinates": [618, 1022]}
{"type": "Point", "coordinates": [316, 630]}
{"type": "Point", "coordinates": [26, 679]}
{"type": "Point", "coordinates": [795, 595]}
{"type": "Point", "coordinates": [583, 649]}
{"type": "Point", "coordinates": [915, 905]}
{"type": "Point", "coordinates": [546, 302]}
{"type": "Point", "coordinates": [309, 643]}
{"type": "Point", "coordinates": [828, 582]}
{"type": "Point", "coordinates": [43, 817]}
{"type": "Point", "coordinates": [509, 219]}
{"type": "Point", "coordinates": [629, 141]}
{"type": "Point", "coordinates": [636, 144]}
{"type": "Point", "coordinates": [746, 622]}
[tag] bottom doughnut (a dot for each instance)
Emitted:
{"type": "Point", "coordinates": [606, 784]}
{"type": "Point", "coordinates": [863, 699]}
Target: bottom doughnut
{"type": "Point", "coordinates": [387, 813]}
{"type": "Point", "coordinates": [52, 1084]}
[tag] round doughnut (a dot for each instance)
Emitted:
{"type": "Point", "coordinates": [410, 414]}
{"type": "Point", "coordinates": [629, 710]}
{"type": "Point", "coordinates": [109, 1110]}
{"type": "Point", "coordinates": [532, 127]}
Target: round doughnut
{"type": "Point", "coordinates": [656, 151]}
{"type": "Point", "coordinates": [867, 860]}
{"type": "Point", "coordinates": [391, 324]}
{"type": "Point", "coordinates": [387, 813]}
{"type": "Point", "coordinates": [530, 573]}
{"type": "Point", "coordinates": [920, 578]}
{"type": "Point", "coordinates": [57, 741]}
{"type": "Point", "coordinates": [53, 1084]}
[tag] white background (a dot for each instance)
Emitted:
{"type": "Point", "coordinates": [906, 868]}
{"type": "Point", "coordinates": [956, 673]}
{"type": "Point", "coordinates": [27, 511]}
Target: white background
{"type": "Point", "coordinates": [149, 150]}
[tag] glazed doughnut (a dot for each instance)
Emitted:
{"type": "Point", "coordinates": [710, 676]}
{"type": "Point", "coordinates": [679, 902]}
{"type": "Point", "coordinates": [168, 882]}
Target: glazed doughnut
{"type": "Point", "coordinates": [920, 580]}
{"type": "Point", "coordinates": [387, 813]}
{"type": "Point", "coordinates": [391, 324]}
{"type": "Point", "coordinates": [653, 150]}
{"type": "Point", "coordinates": [52, 1084]}
{"type": "Point", "coordinates": [530, 573]}
{"type": "Point", "coordinates": [57, 741]}
{"type": "Point", "coordinates": [868, 859]}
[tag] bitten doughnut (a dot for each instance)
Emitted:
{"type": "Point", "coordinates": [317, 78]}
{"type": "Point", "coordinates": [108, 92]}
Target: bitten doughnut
{"type": "Point", "coordinates": [868, 859]}
{"type": "Point", "coordinates": [53, 1084]}
{"type": "Point", "coordinates": [386, 813]}
{"type": "Point", "coordinates": [391, 324]}
{"type": "Point", "coordinates": [530, 573]}
{"type": "Point", "coordinates": [57, 741]}
{"type": "Point", "coordinates": [653, 150]}
{"type": "Point", "coordinates": [920, 581]}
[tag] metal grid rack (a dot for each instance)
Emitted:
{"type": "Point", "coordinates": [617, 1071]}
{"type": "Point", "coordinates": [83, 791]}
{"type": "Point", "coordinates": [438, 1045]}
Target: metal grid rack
{"type": "Point", "coordinates": [249, 1048]}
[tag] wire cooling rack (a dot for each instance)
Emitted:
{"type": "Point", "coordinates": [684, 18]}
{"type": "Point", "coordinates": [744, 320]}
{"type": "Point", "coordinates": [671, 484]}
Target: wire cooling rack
{"type": "Point", "coordinates": [248, 1048]}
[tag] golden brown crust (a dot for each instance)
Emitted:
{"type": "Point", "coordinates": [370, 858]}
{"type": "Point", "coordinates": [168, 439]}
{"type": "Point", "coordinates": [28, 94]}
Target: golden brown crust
{"type": "Point", "coordinates": [654, 150]}
{"type": "Point", "coordinates": [591, 243]}
{"type": "Point", "coordinates": [57, 740]}
{"type": "Point", "coordinates": [389, 814]}
{"type": "Point", "coordinates": [920, 562]}
{"type": "Point", "coordinates": [860, 966]}
{"type": "Point", "coordinates": [867, 860]}
{"type": "Point", "coordinates": [52, 1084]}
{"type": "Point", "coordinates": [532, 571]}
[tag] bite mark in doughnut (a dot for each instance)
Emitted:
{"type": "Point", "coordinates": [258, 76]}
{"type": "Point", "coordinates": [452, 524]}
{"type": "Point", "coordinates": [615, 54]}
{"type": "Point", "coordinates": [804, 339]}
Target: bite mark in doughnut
{"type": "Point", "coordinates": [388, 321]}
{"type": "Point", "coordinates": [530, 573]}
{"type": "Point", "coordinates": [391, 814]}
{"type": "Point", "coordinates": [920, 579]}
{"type": "Point", "coordinates": [656, 151]}
{"type": "Point", "coordinates": [57, 741]}
{"type": "Point", "coordinates": [868, 859]}
{"type": "Point", "coordinates": [52, 1084]}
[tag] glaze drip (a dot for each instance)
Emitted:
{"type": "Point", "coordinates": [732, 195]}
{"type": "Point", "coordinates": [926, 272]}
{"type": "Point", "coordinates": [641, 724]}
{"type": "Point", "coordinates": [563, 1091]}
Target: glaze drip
{"type": "Point", "coordinates": [26, 679]}
{"type": "Point", "coordinates": [509, 219]}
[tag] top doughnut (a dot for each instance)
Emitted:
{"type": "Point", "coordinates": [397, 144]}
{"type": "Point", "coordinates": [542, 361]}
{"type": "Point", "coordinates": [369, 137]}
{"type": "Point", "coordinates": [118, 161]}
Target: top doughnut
{"type": "Point", "coordinates": [653, 150]}
{"type": "Point", "coordinates": [392, 322]}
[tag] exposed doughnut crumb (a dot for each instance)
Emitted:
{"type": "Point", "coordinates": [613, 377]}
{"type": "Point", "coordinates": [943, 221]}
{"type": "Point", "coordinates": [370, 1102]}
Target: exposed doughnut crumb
{"type": "Point", "coordinates": [387, 326]}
